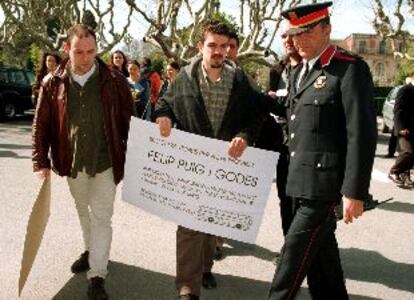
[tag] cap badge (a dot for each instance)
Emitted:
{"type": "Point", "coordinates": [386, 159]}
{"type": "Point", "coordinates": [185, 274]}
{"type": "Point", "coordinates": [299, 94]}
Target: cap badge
{"type": "Point", "coordinates": [293, 15]}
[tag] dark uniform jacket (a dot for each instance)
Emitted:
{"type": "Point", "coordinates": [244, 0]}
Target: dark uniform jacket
{"type": "Point", "coordinates": [51, 126]}
{"type": "Point", "coordinates": [404, 110]}
{"type": "Point", "coordinates": [332, 129]}
{"type": "Point", "coordinates": [184, 105]}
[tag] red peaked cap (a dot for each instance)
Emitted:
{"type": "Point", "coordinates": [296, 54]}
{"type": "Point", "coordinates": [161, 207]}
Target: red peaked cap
{"type": "Point", "coordinates": [303, 16]}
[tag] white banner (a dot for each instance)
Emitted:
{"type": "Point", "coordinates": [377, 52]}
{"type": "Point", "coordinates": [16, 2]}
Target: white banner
{"type": "Point", "coordinates": [191, 180]}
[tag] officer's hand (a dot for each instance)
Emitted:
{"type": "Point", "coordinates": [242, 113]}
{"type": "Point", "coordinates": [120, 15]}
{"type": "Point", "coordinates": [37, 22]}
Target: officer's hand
{"type": "Point", "coordinates": [42, 173]}
{"type": "Point", "coordinates": [353, 208]}
{"type": "Point", "coordinates": [237, 146]}
{"type": "Point", "coordinates": [164, 124]}
{"type": "Point", "coordinates": [272, 94]}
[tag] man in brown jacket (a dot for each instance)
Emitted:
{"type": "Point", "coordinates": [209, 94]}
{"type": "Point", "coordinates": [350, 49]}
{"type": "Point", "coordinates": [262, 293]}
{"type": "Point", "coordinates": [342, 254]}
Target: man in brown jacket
{"type": "Point", "coordinates": [83, 118]}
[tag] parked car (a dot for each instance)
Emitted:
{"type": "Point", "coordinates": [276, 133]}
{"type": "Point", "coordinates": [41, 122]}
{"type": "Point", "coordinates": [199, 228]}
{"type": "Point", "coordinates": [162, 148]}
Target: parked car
{"type": "Point", "coordinates": [15, 91]}
{"type": "Point", "coordinates": [388, 110]}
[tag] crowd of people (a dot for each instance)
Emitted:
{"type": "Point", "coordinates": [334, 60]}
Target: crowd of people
{"type": "Point", "coordinates": [145, 83]}
{"type": "Point", "coordinates": [318, 113]}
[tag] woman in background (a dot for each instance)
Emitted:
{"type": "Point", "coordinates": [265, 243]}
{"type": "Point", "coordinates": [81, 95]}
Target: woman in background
{"type": "Point", "coordinates": [171, 72]}
{"type": "Point", "coordinates": [140, 90]}
{"type": "Point", "coordinates": [48, 64]}
{"type": "Point", "coordinates": [119, 61]}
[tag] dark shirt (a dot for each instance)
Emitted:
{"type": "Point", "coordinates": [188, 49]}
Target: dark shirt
{"type": "Point", "coordinates": [87, 135]}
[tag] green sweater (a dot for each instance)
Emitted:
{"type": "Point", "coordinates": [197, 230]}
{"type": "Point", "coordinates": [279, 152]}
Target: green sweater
{"type": "Point", "coordinates": [87, 134]}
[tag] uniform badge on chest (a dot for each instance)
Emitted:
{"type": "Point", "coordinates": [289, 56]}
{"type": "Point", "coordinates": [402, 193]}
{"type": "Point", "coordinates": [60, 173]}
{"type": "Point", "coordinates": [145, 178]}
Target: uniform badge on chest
{"type": "Point", "coordinates": [320, 82]}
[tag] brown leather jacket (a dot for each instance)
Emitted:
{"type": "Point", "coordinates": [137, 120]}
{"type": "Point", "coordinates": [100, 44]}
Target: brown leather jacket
{"type": "Point", "coordinates": [51, 128]}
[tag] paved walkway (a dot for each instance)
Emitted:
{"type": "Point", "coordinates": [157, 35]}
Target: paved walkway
{"type": "Point", "coordinates": [377, 251]}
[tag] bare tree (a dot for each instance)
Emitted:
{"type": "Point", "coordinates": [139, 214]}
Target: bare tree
{"type": "Point", "coordinates": [45, 21]}
{"type": "Point", "coordinates": [392, 27]}
{"type": "Point", "coordinates": [173, 25]}
{"type": "Point", "coordinates": [259, 21]}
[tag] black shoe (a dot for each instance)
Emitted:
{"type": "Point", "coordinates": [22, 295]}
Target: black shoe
{"type": "Point", "coordinates": [396, 178]}
{"type": "Point", "coordinates": [188, 297]}
{"type": "Point", "coordinates": [218, 255]}
{"type": "Point", "coordinates": [407, 182]}
{"type": "Point", "coordinates": [209, 282]}
{"type": "Point", "coordinates": [96, 290]}
{"type": "Point", "coordinates": [81, 264]}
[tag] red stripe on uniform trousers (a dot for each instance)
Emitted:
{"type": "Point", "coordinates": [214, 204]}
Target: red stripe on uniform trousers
{"type": "Point", "coordinates": [305, 257]}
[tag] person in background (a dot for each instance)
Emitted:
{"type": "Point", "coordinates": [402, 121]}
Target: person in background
{"type": "Point", "coordinates": [48, 64]}
{"type": "Point", "coordinates": [392, 145]}
{"type": "Point", "coordinates": [154, 78]}
{"type": "Point", "coordinates": [275, 132]}
{"type": "Point", "coordinates": [119, 61]}
{"type": "Point", "coordinates": [404, 130]}
{"type": "Point", "coordinates": [332, 141]}
{"type": "Point", "coordinates": [223, 107]}
{"type": "Point", "coordinates": [171, 72]}
{"type": "Point", "coordinates": [82, 119]}
{"type": "Point", "coordinates": [139, 90]}
{"type": "Point", "coordinates": [146, 94]}
{"type": "Point", "coordinates": [233, 47]}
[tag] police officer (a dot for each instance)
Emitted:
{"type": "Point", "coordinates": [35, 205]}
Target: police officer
{"type": "Point", "coordinates": [332, 140]}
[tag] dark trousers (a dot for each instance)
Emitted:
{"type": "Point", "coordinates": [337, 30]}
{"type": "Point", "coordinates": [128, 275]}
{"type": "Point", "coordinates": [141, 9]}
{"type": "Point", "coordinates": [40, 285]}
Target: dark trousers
{"type": "Point", "coordinates": [405, 160]}
{"type": "Point", "coordinates": [286, 205]}
{"type": "Point", "coordinates": [311, 250]}
{"type": "Point", "coordinates": [392, 144]}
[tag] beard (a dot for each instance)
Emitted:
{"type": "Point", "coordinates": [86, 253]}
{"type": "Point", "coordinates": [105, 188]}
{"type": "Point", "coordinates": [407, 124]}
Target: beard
{"type": "Point", "coordinates": [216, 65]}
{"type": "Point", "coordinates": [216, 61]}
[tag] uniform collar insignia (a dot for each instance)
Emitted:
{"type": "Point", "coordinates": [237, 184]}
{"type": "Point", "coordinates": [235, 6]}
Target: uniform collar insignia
{"type": "Point", "coordinates": [327, 55]}
{"type": "Point", "coordinates": [320, 82]}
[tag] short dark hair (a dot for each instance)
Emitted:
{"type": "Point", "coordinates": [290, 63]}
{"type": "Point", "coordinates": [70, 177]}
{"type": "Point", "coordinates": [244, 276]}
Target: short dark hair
{"type": "Point", "coordinates": [81, 31]}
{"type": "Point", "coordinates": [134, 62]}
{"type": "Point", "coordinates": [214, 26]}
{"type": "Point", "coordinates": [234, 36]}
{"type": "Point", "coordinates": [146, 62]}
{"type": "Point", "coordinates": [175, 65]}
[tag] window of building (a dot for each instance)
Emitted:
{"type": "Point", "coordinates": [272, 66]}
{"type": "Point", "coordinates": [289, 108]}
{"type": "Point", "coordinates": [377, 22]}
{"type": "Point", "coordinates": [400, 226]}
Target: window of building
{"type": "Point", "coordinates": [382, 47]}
{"type": "Point", "coordinates": [372, 45]}
{"type": "Point", "coordinates": [362, 46]}
{"type": "Point", "coordinates": [379, 70]}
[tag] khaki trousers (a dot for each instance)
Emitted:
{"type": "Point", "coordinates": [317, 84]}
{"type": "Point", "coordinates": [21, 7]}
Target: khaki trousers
{"type": "Point", "coordinates": [195, 252]}
{"type": "Point", "coordinates": [94, 199]}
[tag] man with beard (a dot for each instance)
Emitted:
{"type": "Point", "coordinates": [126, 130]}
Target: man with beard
{"type": "Point", "coordinates": [210, 97]}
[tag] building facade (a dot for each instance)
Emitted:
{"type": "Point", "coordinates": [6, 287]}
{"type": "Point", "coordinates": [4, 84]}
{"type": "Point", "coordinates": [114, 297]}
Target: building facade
{"type": "Point", "coordinates": [377, 53]}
